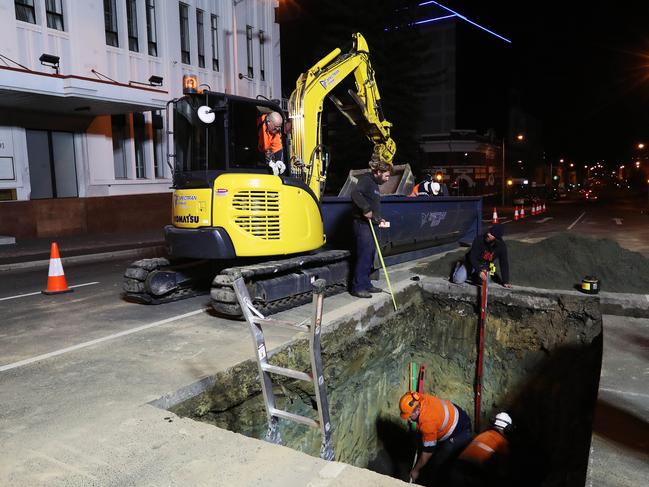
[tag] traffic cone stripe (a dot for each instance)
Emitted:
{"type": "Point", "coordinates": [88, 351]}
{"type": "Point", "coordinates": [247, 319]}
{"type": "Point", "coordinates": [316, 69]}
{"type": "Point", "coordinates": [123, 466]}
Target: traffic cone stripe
{"type": "Point", "coordinates": [56, 268]}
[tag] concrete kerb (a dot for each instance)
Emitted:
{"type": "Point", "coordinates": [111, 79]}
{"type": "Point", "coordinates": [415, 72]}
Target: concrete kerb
{"type": "Point", "coordinates": [142, 253]}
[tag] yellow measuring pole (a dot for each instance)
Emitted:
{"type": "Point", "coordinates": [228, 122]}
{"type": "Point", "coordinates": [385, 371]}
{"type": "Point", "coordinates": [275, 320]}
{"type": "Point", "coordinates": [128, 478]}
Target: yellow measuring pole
{"type": "Point", "coordinates": [385, 271]}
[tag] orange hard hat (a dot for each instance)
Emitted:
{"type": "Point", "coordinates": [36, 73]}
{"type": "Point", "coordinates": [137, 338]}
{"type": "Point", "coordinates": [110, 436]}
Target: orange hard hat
{"type": "Point", "coordinates": [408, 403]}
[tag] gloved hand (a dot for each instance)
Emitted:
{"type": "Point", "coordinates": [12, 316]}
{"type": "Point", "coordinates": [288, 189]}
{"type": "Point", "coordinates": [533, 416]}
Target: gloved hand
{"type": "Point", "coordinates": [274, 168]}
{"type": "Point", "coordinates": [281, 167]}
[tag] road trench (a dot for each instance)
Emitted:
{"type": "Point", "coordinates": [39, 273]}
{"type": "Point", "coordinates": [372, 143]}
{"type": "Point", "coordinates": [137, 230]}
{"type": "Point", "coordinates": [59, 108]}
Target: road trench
{"type": "Point", "coordinates": [542, 364]}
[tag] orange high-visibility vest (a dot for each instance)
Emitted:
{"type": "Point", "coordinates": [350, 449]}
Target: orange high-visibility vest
{"type": "Point", "coordinates": [268, 141]}
{"type": "Point", "coordinates": [484, 446]}
{"type": "Point", "coordinates": [437, 419]}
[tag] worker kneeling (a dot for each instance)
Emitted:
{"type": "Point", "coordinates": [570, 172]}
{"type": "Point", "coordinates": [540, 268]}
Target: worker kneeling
{"type": "Point", "coordinates": [485, 461]}
{"type": "Point", "coordinates": [445, 430]}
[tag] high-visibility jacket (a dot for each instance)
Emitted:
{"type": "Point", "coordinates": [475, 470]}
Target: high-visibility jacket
{"type": "Point", "coordinates": [268, 141]}
{"type": "Point", "coordinates": [486, 445]}
{"type": "Point", "coordinates": [437, 420]}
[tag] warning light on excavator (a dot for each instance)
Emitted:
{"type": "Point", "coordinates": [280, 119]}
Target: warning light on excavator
{"type": "Point", "coordinates": [190, 84]}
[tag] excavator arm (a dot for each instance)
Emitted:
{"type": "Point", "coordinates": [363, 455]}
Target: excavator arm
{"type": "Point", "coordinates": [361, 107]}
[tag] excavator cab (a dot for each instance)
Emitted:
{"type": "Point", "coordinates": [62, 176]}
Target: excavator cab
{"type": "Point", "coordinates": [226, 202]}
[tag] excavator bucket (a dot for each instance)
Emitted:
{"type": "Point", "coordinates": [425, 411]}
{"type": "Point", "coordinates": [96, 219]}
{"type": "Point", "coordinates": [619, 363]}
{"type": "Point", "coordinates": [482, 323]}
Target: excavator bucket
{"type": "Point", "coordinates": [400, 183]}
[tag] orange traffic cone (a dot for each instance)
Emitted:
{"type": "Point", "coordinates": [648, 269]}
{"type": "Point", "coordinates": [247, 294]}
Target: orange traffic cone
{"type": "Point", "coordinates": [522, 212]}
{"type": "Point", "coordinates": [56, 282]}
{"type": "Point", "coordinates": [516, 214]}
{"type": "Point", "coordinates": [494, 218]}
{"type": "Point", "coordinates": [543, 207]}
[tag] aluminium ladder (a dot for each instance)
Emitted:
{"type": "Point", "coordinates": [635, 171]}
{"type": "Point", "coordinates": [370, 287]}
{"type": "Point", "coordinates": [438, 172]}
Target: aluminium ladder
{"type": "Point", "coordinates": [255, 321]}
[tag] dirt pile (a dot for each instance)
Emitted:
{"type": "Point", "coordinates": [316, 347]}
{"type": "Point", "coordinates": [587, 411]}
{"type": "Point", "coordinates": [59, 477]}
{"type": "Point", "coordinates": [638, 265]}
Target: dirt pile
{"type": "Point", "coordinates": [562, 261]}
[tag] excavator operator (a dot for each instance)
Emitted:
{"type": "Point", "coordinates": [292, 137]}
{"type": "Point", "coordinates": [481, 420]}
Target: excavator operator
{"type": "Point", "coordinates": [269, 126]}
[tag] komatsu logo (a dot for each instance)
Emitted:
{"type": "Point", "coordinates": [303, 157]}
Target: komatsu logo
{"type": "Point", "coordinates": [329, 79]}
{"type": "Point", "coordinates": [186, 219]}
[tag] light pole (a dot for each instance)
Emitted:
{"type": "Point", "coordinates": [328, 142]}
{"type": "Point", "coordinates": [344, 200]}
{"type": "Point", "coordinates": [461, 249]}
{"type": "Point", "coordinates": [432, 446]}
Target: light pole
{"type": "Point", "coordinates": [520, 138]}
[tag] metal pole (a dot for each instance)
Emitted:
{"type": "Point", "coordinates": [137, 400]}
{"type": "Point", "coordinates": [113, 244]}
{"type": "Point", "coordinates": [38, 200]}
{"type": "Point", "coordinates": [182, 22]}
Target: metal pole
{"type": "Point", "coordinates": [502, 177]}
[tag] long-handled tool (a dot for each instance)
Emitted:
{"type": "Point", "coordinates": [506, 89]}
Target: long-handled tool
{"type": "Point", "coordinates": [478, 369]}
{"type": "Point", "coordinates": [385, 271]}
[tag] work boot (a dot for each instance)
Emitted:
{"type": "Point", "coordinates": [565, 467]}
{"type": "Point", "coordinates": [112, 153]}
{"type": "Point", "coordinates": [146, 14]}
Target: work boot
{"type": "Point", "coordinates": [361, 294]}
{"type": "Point", "coordinates": [375, 290]}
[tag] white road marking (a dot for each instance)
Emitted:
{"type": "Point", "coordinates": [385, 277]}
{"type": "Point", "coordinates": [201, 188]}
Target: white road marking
{"type": "Point", "coordinates": [544, 220]}
{"type": "Point", "coordinates": [38, 292]}
{"type": "Point", "coordinates": [575, 222]}
{"type": "Point", "coordinates": [90, 343]}
{"type": "Point", "coordinates": [618, 221]}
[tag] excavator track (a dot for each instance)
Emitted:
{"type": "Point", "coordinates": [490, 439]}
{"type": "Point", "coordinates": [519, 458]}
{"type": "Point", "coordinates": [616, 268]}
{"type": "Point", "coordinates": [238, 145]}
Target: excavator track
{"type": "Point", "coordinates": [275, 286]}
{"type": "Point", "coordinates": [138, 278]}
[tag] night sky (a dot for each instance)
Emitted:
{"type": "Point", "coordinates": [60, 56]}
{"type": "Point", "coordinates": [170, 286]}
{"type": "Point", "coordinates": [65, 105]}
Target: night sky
{"type": "Point", "coordinates": [580, 68]}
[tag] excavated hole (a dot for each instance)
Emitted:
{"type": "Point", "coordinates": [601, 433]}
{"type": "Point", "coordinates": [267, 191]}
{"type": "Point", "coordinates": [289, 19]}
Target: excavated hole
{"type": "Point", "coordinates": [542, 363]}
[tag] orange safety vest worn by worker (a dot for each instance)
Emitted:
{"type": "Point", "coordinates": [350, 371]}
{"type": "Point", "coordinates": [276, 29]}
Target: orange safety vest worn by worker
{"type": "Point", "coordinates": [437, 420]}
{"type": "Point", "coordinates": [484, 447]}
{"type": "Point", "coordinates": [268, 141]}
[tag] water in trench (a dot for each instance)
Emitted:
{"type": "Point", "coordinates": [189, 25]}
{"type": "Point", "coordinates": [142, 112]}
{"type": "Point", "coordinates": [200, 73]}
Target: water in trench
{"type": "Point", "coordinates": [542, 364]}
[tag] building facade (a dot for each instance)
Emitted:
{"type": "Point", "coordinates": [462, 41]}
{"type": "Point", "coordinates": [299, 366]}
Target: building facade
{"type": "Point", "coordinates": [83, 89]}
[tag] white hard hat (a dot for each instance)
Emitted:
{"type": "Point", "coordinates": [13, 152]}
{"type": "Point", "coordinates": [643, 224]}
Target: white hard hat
{"type": "Point", "coordinates": [503, 420]}
{"type": "Point", "coordinates": [435, 187]}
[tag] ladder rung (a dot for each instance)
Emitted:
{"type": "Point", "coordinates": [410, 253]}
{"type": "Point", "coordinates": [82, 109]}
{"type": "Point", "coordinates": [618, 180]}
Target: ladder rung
{"type": "Point", "coordinates": [293, 374]}
{"type": "Point", "coordinates": [295, 417]}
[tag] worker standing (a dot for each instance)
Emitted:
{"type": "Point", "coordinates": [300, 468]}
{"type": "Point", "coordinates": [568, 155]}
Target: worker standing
{"type": "Point", "coordinates": [445, 429]}
{"type": "Point", "coordinates": [269, 126]}
{"type": "Point", "coordinates": [480, 261]}
{"type": "Point", "coordinates": [484, 462]}
{"type": "Point", "coordinates": [367, 211]}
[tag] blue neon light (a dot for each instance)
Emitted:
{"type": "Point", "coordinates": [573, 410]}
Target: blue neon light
{"type": "Point", "coordinates": [434, 19]}
{"type": "Point", "coordinates": [459, 15]}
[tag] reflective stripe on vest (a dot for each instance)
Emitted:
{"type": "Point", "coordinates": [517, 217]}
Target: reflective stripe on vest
{"type": "Point", "coordinates": [446, 418]}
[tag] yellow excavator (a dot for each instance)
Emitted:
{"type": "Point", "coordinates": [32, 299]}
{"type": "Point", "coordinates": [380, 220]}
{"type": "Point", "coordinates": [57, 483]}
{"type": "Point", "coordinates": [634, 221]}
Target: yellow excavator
{"type": "Point", "coordinates": [232, 215]}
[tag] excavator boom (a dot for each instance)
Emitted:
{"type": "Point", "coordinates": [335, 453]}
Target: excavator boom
{"type": "Point", "coordinates": [361, 107]}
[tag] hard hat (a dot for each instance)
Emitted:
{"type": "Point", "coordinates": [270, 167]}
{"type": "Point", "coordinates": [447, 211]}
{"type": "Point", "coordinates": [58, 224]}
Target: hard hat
{"type": "Point", "coordinates": [503, 420]}
{"type": "Point", "coordinates": [408, 402]}
{"type": "Point", "coordinates": [435, 188]}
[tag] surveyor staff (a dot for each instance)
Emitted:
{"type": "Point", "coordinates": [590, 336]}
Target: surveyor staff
{"type": "Point", "coordinates": [385, 271]}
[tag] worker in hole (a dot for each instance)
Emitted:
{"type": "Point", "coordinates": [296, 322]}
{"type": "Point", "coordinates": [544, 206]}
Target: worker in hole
{"type": "Point", "coordinates": [480, 261]}
{"type": "Point", "coordinates": [269, 126]}
{"type": "Point", "coordinates": [485, 461]}
{"type": "Point", "coordinates": [445, 431]}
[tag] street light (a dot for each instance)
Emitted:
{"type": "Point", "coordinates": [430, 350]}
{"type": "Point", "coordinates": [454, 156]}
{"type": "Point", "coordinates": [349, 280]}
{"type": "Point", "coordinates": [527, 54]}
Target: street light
{"type": "Point", "coordinates": [640, 145]}
{"type": "Point", "coordinates": [520, 138]}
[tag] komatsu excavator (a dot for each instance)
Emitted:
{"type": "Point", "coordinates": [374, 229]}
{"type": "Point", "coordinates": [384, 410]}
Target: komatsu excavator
{"type": "Point", "coordinates": [232, 215]}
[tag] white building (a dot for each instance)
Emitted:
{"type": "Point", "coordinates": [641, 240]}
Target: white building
{"type": "Point", "coordinates": [92, 126]}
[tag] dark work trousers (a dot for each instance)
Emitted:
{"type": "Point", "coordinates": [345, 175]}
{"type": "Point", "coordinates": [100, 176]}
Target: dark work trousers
{"type": "Point", "coordinates": [448, 450]}
{"type": "Point", "coordinates": [365, 250]}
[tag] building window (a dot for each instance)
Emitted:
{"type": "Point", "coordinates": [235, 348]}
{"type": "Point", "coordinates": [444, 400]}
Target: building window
{"type": "Point", "coordinates": [54, 11]}
{"type": "Point", "coordinates": [118, 127]}
{"type": "Point", "coordinates": [215, 41]}
{"type": "Point", "coordinates": [25, 11]}
{"type": "Point", "coordinates": [200, 33]}
{"type": "Point", "coordinates": [110, 23]}
{"type": "Point", "coordinates": [262, 42]}
{"type": "Point", "coordinates": [157, 136]}
{"type": "Point", "coordinates": [151, 33]}
{"type": "Point", "coordinates": [131, 22]}
{"type": "Point", "coordinates": [184, 33]}
{"type": "Point", "coordinates": [251, 71]}
{"type": "Point", "coordinates": [139, 137]}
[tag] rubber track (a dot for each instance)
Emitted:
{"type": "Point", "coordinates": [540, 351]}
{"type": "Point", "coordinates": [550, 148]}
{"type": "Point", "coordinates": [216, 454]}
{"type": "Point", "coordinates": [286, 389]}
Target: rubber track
{"type": "Point", "coordinates": [135, 289]}
{"type": "Point", "coordinates": [223, 297]}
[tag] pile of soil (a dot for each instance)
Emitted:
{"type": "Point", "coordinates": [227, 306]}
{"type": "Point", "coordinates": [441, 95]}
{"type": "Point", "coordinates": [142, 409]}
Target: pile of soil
{"type": "Point", "coordinates": [562, 261]}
